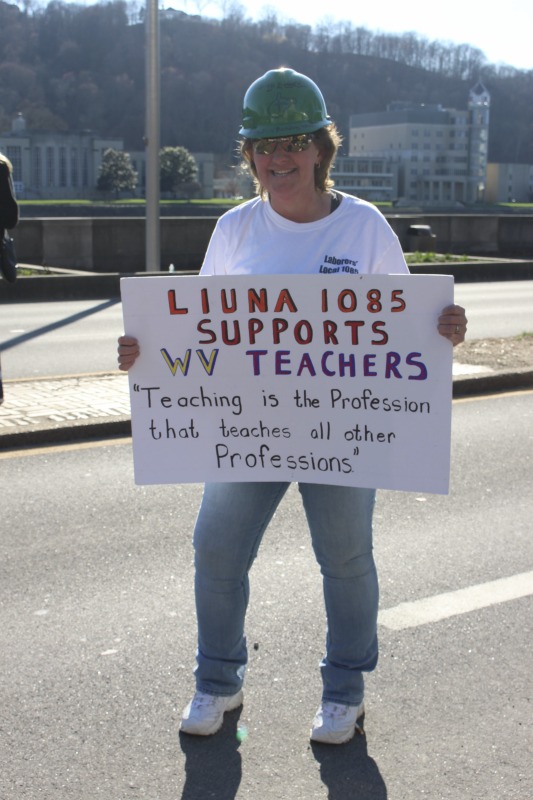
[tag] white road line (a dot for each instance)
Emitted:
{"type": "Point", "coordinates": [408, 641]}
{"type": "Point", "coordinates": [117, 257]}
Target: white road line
{"type": "Point", "coordinates": [450, 604]}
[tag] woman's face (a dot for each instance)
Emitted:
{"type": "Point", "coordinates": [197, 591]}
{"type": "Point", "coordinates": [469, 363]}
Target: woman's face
{"type": "Point", "coordinates": [286, 175]}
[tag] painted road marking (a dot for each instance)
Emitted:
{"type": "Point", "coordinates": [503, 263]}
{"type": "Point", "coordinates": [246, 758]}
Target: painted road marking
{"type": "Point", "coordinates": [450, 604]}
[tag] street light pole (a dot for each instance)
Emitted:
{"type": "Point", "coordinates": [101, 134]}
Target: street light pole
{"type": "Point", "coordinates": [152, 135]}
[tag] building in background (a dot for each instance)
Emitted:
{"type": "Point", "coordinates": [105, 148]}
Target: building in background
{"type": "Point", "coordinates": [53, 165]}
{"type": "Point", "coordinates": [438, 155]}
{"type": "Point", "coordinates": [510, 183]}
{"type": "Point", "coordinates": [372, 178]}
{"type": "Point", "coordinates": [420, 154]}
{"type": "Point", "coordinates": [57, 165]}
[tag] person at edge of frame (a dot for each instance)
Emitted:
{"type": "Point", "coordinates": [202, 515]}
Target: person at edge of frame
{"type": "Point", "coordinates": [289, 143]}
{"type": "Point", "coordinates": [9, 217]}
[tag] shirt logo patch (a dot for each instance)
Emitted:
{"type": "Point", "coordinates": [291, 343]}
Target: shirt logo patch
{"type": "Point", "coordinates": [333, 265]}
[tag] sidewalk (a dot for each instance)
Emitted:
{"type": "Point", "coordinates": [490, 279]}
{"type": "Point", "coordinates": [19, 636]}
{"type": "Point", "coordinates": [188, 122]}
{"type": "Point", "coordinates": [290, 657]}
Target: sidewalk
{"type": "Point", "coordinates": [46, 411]}
{"type": "Point", "coordinates": [49, 410]}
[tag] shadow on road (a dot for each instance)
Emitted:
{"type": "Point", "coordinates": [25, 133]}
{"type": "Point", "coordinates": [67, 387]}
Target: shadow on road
{"type": "Point", "coordinates": [213, 765]}
{"type": "Point", "coordinates": [25, 337]}
{"type": "Point", "coordinates": [348, 772]}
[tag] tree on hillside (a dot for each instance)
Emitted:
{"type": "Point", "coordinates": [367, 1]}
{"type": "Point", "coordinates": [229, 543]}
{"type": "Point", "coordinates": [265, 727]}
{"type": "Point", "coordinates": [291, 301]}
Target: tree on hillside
{"type": "Point", "coordinates": [116, 173]}
{"type": "Point", "coordinates": [178, 171]}
{"type": "Point", "coordinates": [70, 66]}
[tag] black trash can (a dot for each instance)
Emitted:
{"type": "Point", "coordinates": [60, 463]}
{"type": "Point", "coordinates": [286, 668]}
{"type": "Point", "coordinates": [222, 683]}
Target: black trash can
{"type": "Point", "coordinates": [420, 238]}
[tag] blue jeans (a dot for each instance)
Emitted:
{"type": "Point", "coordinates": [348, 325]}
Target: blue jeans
{"type": "Point", "coordinates": [231, 522]}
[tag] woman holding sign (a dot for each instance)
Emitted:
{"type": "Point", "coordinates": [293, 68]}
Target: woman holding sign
{"type": "Point", "coordinates": [298, 224]}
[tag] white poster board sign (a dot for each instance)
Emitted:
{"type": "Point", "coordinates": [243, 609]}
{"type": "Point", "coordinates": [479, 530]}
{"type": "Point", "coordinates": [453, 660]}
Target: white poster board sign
{"type": "Point", "coordinates": [320, 379]}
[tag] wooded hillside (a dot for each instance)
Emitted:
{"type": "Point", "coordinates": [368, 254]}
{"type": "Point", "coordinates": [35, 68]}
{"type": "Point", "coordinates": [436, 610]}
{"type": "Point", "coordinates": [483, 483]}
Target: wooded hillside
{"type": "Point", "coordinates": [70, 67]}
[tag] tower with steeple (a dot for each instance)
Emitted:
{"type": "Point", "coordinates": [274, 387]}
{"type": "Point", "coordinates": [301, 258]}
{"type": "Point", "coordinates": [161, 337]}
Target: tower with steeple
{"type": "Point", "coordinates": [478, 146]}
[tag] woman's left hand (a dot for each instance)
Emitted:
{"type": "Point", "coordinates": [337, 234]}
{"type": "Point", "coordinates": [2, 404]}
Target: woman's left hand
{"type": "Point", "coordinates": [452, 324]}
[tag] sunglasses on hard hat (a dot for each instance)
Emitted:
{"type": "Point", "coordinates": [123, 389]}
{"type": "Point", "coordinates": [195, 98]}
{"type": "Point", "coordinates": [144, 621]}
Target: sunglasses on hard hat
{"type": "Point", "coordinates": [289, 144]}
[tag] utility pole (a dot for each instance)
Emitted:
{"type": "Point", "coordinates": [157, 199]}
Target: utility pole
{"type": "Point", "coordinates": [152, 135]}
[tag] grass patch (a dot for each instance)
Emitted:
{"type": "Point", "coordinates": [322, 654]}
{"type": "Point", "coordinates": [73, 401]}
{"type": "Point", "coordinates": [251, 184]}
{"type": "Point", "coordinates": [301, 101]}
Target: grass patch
{"type": "Point", "coordinates": [28, 272]}
{"type": "Point", "coordinates": [528, 206]}
{"type": "Point", "coordinates": [433, 258]}
{"type": "Point", "coordinates": [56, 202]}
{"type": "Point", "coordinates": [133, 201]}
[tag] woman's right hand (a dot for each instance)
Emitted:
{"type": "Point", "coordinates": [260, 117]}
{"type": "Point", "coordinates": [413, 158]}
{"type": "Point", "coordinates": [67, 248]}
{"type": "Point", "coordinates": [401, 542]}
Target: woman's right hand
{"type": "Point", "coordinates": [128, 352]}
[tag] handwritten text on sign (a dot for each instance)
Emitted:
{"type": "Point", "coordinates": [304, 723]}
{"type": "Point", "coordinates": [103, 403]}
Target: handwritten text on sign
{"type": "Point", "coordinates": [339, 380]}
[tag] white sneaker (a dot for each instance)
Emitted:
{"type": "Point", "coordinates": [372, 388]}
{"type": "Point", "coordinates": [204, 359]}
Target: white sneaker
{"type": "Point", "coordinates": [205, 713]}
{"type": "Point", "coordinates": [335, 723]}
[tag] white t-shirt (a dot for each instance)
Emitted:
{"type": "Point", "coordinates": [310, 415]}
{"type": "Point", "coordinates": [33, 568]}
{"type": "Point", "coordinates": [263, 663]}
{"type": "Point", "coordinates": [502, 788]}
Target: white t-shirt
{"type": "Point", "coordinates": [253, 239]}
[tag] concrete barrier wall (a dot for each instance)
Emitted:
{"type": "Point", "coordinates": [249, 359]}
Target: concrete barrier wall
{"type": "Point", "coordinates": [118, 244]}
{"type": "Point", "coordinates": [28, 238]}
{"type": "Point", "coordinates": [110, 245]}
{"type": "Point", "coordinates": [473, 235]}
{"type": "Point", "coordinates": [516, 238]}
{"type": "Point", "coordinates": [73, 242]}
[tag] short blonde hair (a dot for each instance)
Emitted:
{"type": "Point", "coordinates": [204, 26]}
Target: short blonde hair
{"type": "Point", "coordinates": [327, 140]}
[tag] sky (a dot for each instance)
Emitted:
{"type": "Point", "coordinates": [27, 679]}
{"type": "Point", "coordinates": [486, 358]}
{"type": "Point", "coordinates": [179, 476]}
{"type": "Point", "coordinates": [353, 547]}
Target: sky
{"type": "Point", "coordinates": [503, 31]}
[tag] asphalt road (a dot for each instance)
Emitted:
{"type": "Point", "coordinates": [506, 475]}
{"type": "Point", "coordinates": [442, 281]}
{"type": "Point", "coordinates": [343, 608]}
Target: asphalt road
{"type": "Point", "coordinates": [68, 338]}
{"type": "Point", "coordinates": [97, 636]}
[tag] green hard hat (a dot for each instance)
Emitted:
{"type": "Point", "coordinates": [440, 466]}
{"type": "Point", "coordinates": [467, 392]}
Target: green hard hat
{"type": "Point", "coordinates": [283, 103]}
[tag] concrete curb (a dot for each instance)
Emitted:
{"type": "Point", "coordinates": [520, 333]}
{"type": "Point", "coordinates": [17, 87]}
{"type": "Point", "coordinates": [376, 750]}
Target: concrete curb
{"type": "Point", "coordinates": [120, 426]}
{"type": "Point", "coordinates": [76, 431]}
{"type": "Point", "coordinates": [488, 382]}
